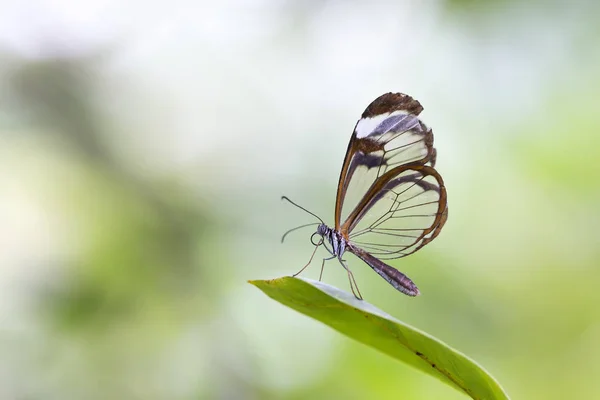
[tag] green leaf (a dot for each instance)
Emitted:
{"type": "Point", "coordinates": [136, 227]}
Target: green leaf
{"type": "Point", "coordinates": [373, 327]}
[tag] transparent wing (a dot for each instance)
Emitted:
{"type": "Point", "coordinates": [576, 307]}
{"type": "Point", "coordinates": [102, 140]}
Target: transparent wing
{"type": "Point", "coordinates": [390, 198]}
{"type": "Point", "coordinates": [388, 135]}
{"type": "Point", "coordinates": [406, 146]}
{"type": "Point", "coordinates": [404, 212]}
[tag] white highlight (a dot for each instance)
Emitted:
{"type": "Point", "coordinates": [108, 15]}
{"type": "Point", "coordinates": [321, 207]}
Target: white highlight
{"type": "Point", "coordinates": [366, 126]}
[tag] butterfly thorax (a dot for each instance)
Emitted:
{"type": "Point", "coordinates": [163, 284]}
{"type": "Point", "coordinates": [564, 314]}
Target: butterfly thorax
{"type": "Point", "coordinates": [336, 239]}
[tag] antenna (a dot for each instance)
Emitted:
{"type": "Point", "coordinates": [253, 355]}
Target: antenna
{"type": "Point", "coordinates": [296, 228]}
{"type": "Point", "coordinates": [302, 208]}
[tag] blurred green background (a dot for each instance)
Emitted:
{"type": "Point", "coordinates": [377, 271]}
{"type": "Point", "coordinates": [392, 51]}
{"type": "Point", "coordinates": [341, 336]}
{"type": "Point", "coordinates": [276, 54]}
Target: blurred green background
{"type": "Point", "coordinates": [144, 148]}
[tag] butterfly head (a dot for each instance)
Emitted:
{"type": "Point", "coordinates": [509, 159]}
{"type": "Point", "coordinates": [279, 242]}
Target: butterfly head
{"type": "Point", "coordinates": [323, 229]}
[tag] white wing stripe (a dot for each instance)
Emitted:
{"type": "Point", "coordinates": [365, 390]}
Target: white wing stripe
{"type": "Point", "coordinates": [368, 126]}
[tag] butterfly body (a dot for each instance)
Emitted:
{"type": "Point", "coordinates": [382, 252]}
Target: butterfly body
{"type": "Point", "coordinates": [339, 244]}
{"type": "Point", "coordinates": [337, 241]}
{"type": "Point", "coordinates": [390, 199]}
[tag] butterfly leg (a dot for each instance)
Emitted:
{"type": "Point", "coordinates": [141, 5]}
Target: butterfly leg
{"type": "Point", "coordinates": [311, 258]}
{"type": "Point", "coordinates": [352, 280]}
{"type": "Point", "coordinates": [323, 266]}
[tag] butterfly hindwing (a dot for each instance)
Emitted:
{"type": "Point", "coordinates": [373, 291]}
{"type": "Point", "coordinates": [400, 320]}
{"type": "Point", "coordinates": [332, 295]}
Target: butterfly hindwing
{"type": "Point", "coordinates": [407, 211]}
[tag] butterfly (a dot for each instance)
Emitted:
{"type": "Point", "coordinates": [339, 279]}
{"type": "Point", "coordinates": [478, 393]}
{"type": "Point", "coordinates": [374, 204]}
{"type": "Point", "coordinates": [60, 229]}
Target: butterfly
{"type": "Point", "coordinates": [390, 199]}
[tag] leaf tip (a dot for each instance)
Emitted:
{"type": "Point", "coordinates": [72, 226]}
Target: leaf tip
{"type": "Point", "coordinates": [260, 282]}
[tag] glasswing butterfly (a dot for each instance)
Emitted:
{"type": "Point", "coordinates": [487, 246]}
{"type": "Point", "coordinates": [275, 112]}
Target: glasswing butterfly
{"type": "Point", "coordinates": [390, 199]}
